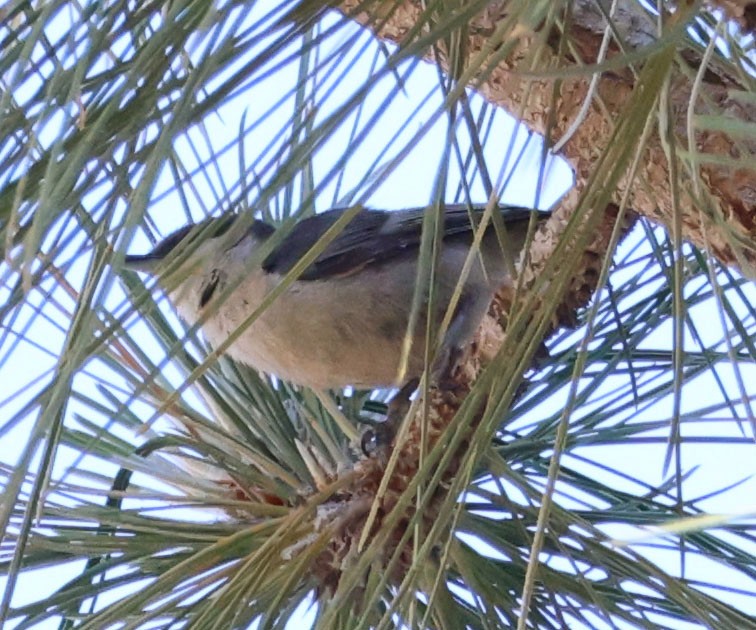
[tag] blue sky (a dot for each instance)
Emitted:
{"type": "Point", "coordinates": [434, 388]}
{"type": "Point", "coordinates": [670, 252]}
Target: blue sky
{"type": "Point", "coordinates": [513, 156]}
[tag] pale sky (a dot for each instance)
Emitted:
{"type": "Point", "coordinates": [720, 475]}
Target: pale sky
{"type": "Point", "coordinates": [410, 184]}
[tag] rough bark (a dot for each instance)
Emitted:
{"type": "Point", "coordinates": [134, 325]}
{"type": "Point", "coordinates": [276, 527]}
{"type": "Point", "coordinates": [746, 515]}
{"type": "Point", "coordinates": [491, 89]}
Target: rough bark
{"type": "Point", "coordinates": [349, 513]}
{"type": "Point", "coordinates": [741, 11]}
{"type": "Point", "coordinates": [729, 229]}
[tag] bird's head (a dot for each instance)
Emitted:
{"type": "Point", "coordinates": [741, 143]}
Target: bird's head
{"type": "Point", "coordinates": [184, 259]}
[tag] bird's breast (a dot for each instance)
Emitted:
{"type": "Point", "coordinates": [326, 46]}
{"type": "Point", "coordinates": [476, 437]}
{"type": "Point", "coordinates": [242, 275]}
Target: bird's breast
{"type": "Point", "coordinates": [335, 332]}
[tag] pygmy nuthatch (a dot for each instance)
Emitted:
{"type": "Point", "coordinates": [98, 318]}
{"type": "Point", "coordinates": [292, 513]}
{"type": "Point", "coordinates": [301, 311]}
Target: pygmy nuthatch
{"type": "Point", "coordinates": [344, 320]}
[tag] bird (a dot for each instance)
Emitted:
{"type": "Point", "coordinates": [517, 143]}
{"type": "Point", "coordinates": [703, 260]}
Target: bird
{"type": "Point", "coordinates": [344, 320]}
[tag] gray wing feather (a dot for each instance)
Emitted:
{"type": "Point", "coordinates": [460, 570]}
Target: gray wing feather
{"type": "Point", "coordinates": [372, 237]}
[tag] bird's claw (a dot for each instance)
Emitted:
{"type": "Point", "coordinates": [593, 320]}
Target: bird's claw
{"type": "Point", "coordinates": [377, 440]}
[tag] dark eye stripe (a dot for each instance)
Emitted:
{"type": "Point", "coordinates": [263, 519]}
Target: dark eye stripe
{"type": "Point", "coordinates": [209, 289]}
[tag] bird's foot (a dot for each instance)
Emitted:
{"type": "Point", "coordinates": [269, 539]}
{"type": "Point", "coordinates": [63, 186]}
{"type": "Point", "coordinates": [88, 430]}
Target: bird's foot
{"type": "Point", "coordinates": [378, 440]}
{"type": "Point", "coordinates": [448, 378]}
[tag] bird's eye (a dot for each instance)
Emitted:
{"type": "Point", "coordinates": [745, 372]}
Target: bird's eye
{"type": "Point", "coordinates": [209, 287]}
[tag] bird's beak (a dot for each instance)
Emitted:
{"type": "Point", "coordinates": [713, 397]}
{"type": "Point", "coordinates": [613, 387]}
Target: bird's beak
{"type": "Point", "coordinates": [145, 263]}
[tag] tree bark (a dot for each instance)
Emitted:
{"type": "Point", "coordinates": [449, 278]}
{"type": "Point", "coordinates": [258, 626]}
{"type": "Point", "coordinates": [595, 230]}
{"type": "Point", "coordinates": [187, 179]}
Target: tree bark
{"type": "Point", "coordinates": [718, 209]}
{"type": "Point", "coordinates": [717, 203]}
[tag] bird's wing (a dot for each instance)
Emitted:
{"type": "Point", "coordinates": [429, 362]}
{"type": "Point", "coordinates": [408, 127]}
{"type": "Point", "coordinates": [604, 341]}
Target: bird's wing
{"type": "Point", "coordinates": [372, 237]}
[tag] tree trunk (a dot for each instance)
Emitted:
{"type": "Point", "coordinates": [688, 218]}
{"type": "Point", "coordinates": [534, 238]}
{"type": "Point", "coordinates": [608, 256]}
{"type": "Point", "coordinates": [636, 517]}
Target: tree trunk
{"type": "Point", "coordinates": [717, 203]}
